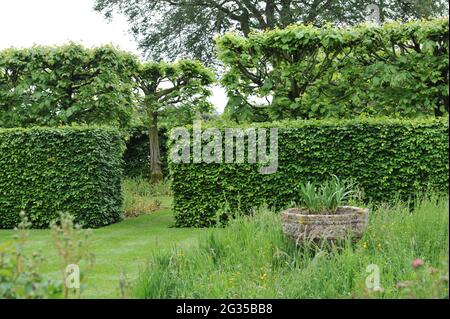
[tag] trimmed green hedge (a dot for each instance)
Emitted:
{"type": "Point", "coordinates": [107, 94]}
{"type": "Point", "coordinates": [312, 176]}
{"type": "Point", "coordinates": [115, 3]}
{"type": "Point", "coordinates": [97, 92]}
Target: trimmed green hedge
{"type": "Point", "coordinates": [387, 158]}
{"type": "Point", "coordinates": [44, 171]}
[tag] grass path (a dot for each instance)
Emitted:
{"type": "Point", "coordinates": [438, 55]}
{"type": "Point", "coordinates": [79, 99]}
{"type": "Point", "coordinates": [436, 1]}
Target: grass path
{"type": "Point", "coordinates": [125, 246]}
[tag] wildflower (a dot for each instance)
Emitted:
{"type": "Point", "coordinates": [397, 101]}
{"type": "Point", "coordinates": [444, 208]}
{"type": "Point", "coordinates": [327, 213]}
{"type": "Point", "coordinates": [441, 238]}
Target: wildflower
{"type": "Point", "coordinates": [365, 246]}
{"type": "Point", "coordinates": [263, 276]}
{"type": "Point", "coordinates": [417, 263]}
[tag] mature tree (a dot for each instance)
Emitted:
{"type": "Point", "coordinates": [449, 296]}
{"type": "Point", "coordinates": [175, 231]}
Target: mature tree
{"type": "Point", "coordinates": [67, 84]}
{"type": "Point", "coordinates": [51, 86]}
{"type": "Point", "coordinates": [309, 72]}
{"type": "Point", "coordinates": [187, 28]}
{"type": "Point", "coordinates": [167, 89]}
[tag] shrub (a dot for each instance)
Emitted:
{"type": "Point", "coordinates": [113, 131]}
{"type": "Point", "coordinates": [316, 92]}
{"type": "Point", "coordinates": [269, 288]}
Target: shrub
{"type": "Point", "coordinates": [386, 158]}
{"type": "Point", "coordinates": [46, 171]}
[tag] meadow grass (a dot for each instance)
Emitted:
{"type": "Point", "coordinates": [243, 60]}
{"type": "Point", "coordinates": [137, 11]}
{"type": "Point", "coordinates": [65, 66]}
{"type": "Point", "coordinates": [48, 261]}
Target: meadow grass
{"type": "Point", "coordinates": [142, 197]}
{"type": "Point", "coordinates": [252, 259]}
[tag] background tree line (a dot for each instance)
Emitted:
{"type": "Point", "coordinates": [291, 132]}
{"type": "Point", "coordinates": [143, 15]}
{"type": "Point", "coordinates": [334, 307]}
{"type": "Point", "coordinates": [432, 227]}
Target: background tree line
{"type": "Point", "coordinates": [172, 29]}
{"type": "Point", "coordinates": [316, 70]}
{"type": "Point", "coordinates": [304, 72]}
{"type": "Point", "coordinates": [53, 86]}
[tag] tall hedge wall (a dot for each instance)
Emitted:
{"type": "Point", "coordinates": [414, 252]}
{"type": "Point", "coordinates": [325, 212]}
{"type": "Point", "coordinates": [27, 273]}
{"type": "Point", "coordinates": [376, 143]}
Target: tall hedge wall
{"type": "Point", "coordinates": [385, 157]}
{"type": "Point", "coordinates": [44, 171]}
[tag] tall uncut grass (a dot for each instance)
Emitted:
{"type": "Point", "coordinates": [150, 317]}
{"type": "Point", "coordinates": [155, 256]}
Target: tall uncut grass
{"type": "Point", "coordinates": [141, 196]}
{"type": "Point", "coordinates": [252, 259]}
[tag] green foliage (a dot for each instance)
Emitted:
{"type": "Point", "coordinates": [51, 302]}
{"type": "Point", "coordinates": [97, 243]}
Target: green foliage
{"type": "Point", "coordinates": [51, 86]}
{"type": "Point", "coordinates": [46, 171]}
{"type": "Point", "coordinates": [252, 259]}
{"type": "Point", "coordinates": [142, 187]}
{"type": "Point", "coordinates": [141, 196]}
{"type": "Point", "coordinates": [308, 72]}
{"type": "Point", "coordinates": [386, 158]}
{"type": "Point", "coordinates": [324, 198]}
{"type": "Point", "coordinates": [20, 276]}
{"type": "Point", "coordinates": [170, 87]}
{"type": "Point", "coordinates": [137, 153]}
{"type": "Point", "coordinates": [122, 247]}
{"type": "Point", "coordinates": [73, 246]}
{"type": "Point", "coordinates": [178, 90]}
{"type": "Point", "coordinates": [180, 29]}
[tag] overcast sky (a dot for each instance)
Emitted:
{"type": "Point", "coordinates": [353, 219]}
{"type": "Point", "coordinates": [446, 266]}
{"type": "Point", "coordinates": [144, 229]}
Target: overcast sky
{"type": "Point", "coordinates": [48, 22]}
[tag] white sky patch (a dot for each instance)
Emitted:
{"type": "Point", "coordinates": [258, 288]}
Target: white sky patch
{"type": "Point", "coordinates": [54, 22]}
{"type": "Point", "coordinates": [49, 22]}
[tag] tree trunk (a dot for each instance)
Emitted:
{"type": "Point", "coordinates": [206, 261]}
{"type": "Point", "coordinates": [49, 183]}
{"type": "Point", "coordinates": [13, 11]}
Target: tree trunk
{"type": "Point", "coordinates": [270, 14]}
{"type": "Point", "coordinates": [155, 155]}
{"type": "Point", "coordinates": [285, 14]}
{"type": "Point", "coordinates": [245, 23]}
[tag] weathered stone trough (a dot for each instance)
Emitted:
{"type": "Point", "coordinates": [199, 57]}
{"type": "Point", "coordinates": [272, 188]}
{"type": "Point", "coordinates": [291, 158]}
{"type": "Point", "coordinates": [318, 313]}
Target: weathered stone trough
{"type": "Point", "coordinates": [300, 224]}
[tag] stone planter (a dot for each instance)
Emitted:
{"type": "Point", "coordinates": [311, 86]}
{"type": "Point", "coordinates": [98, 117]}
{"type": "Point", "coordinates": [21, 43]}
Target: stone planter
{"type": "Point", "coordinates": [300, 224]}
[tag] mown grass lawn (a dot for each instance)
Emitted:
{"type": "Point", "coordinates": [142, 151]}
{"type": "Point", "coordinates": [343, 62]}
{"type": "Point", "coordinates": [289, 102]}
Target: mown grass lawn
{"type": "Point", "coordinates": [123, 247]}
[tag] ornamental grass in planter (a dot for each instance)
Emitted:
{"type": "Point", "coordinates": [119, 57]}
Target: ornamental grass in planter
{"type": "Point", "coordinates": [323, 214]}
